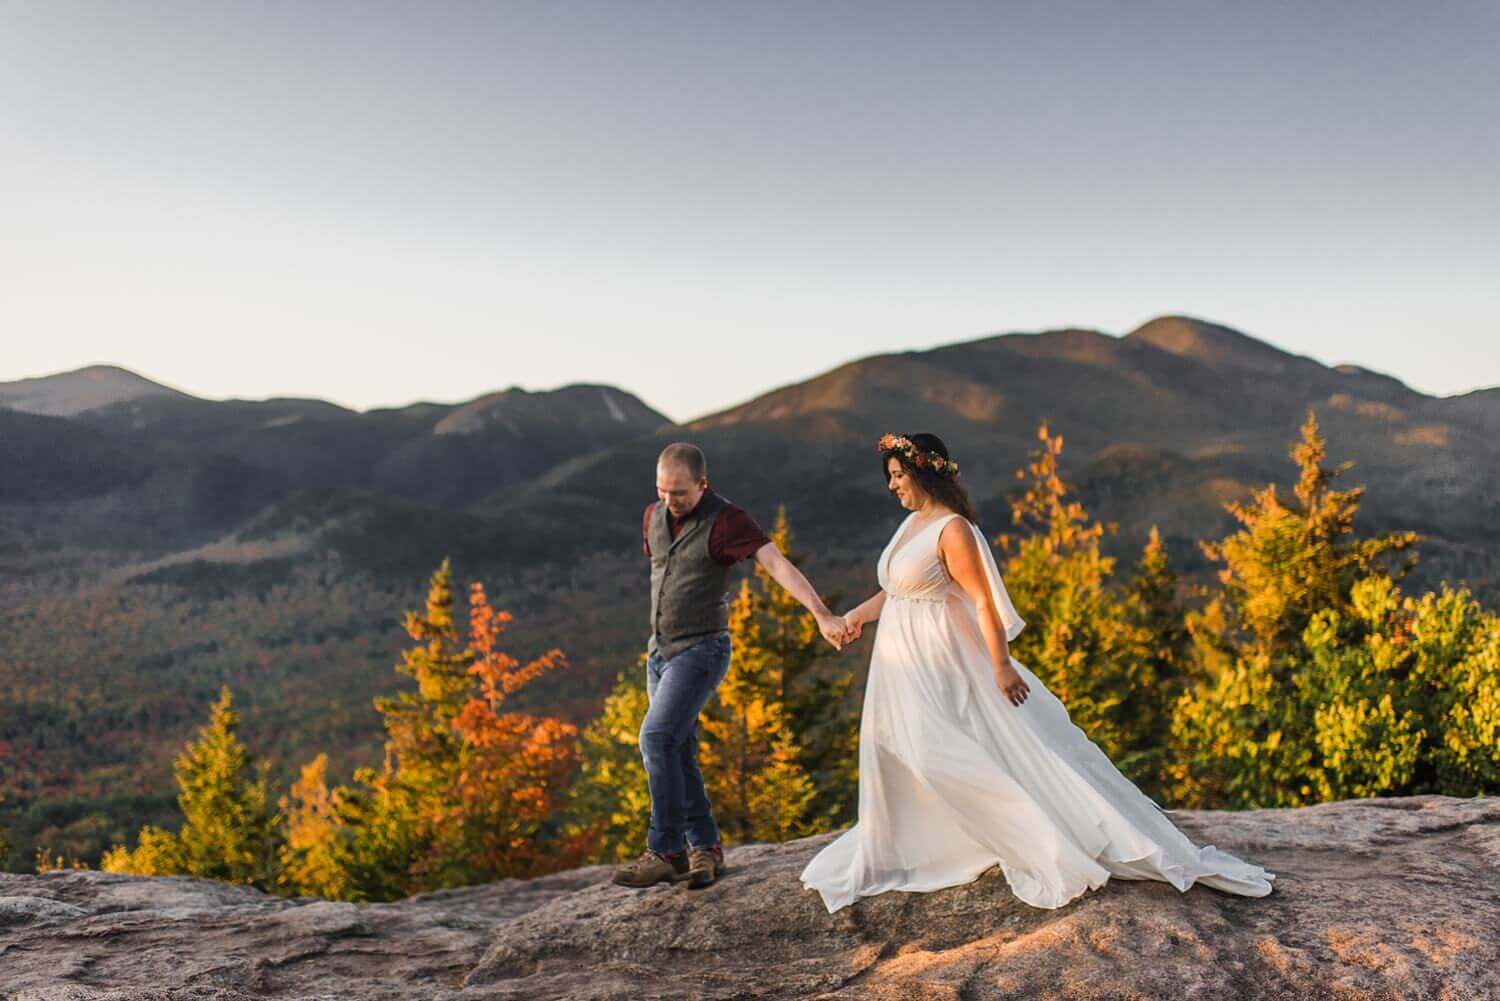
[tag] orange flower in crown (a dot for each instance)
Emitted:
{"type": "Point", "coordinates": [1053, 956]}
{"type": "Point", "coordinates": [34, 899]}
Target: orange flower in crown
{"type": "Point", "coordinates": [920, 458]}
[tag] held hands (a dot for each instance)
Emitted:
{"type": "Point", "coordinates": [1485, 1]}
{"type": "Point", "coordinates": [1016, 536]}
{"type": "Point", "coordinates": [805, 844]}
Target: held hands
{"type": "Point", "coordinates": [837, 630]}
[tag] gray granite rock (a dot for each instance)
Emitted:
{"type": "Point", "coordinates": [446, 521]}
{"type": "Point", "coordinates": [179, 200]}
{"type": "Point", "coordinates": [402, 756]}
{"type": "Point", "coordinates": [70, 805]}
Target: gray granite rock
{"type": "Point", "coordinates": [1374, 899]}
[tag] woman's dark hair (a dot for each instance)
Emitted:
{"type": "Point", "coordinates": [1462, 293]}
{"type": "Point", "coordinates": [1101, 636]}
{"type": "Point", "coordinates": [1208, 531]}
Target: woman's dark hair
{"type": "Point", "coordinates": [946, 490]}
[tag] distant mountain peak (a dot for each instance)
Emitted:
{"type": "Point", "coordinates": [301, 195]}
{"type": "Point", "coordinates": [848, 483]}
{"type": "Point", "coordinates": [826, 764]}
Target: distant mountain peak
{"type": "Point", "coordinates": [1210, 343]}
{"type": "Point", "coordinates": [577, 404]}
{"type": "Point", "coordinates": [1371, 381]}
{"type": "Point", "coordinates": [67, 394]}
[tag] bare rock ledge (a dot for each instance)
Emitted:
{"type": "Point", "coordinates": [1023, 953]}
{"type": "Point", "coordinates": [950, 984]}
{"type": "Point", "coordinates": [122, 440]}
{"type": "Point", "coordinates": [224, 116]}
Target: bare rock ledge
{"type": "Point", "coordinates": [1395, 898]}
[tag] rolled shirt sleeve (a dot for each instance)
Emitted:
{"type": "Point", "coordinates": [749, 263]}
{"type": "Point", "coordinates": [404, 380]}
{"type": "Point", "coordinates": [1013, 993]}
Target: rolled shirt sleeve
{"type": "Point", "coordinates": [735, 536]}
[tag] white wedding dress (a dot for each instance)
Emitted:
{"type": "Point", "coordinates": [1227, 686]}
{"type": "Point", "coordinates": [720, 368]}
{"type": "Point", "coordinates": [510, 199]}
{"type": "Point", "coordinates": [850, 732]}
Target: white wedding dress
{"type": "Point", "coordinates": [955, 778]}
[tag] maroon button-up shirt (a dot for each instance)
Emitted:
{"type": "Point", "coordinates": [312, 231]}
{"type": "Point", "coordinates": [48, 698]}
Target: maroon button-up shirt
{"type": "Point", "coordinates": [734, 536]}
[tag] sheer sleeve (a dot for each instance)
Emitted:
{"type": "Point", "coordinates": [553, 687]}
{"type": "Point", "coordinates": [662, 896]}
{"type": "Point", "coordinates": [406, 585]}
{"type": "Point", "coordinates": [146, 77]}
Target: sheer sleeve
{"type": "Point", "coordinates": [1012, 622]}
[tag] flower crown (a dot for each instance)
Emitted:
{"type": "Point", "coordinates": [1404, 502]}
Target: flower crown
{"type": "Point", "coordinates": [920, 458]}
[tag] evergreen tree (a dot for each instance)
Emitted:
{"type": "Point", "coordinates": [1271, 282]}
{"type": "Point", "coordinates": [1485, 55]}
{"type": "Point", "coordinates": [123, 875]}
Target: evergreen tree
{"type": "Point", "coordinates": [1080, 638]}
{"type": "Point", "coordinates": [468, 790]}
{"type": "Point", "coordinates": [1267, 721]}
{"type": "Point", "coordinates": [1387, 696]}
{"type": "Point", "coordinates": [230, 830]}
{"type": "Point", "coordinates": [1151, 604]}
{"type": "Point", "coordinates": [392, 811]}
{"type": "Point", "coordinates": [612, 799]}
{"type": "Point", "coordinates": [750, 758]}
{"type": "Point", "coordinates": [822, 725]}
{"type": "Point", "coordinates": [1289, 560]}
{"type": "Point", "coordinates": [1458, 658]}
{"type": "Point", "coordinates": [1158, 644]}
{"type": "Point", "coordinates": [777, 747]}
{"type": "Point", "coordinates": [315, 858]}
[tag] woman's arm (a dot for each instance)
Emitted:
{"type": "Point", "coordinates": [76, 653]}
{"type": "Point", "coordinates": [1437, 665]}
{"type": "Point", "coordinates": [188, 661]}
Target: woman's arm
{"type": "Point", "coordinates": [865, 612]}
{"type": "Point", "coordinates": [960, 553]}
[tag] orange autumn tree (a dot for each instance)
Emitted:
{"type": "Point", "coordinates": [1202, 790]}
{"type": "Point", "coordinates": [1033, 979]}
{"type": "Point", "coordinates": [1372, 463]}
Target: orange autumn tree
{"type": "Point", "coordinates": [502, 820]}
{"type": "Point", "coordinates": [467, 790]}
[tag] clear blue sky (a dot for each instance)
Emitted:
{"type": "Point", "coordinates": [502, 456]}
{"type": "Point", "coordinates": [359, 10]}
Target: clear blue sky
{"type": "Point", "coordinates": [376, 203]}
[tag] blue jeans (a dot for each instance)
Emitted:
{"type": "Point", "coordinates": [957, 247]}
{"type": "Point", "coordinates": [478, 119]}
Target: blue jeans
{"type": "Point", "coordinates": [678, 689]}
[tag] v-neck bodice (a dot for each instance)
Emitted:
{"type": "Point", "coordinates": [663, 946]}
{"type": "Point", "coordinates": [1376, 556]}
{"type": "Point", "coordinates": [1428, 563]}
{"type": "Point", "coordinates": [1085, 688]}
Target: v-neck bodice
{"type": "Point", "coordinates": [912, 569]}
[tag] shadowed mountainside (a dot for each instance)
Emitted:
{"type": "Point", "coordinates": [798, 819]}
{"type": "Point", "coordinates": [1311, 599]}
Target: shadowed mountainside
{"type": "Point", "coordinates": [1161, 425]}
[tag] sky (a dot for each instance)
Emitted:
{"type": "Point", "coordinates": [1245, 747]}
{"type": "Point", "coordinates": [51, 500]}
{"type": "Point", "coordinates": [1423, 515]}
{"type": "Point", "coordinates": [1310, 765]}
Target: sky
{"type": "Point", "coordinates": [377, 203]}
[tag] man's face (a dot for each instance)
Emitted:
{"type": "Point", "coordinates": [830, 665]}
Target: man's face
{"type": "Point", "coordinates": [677, 489]}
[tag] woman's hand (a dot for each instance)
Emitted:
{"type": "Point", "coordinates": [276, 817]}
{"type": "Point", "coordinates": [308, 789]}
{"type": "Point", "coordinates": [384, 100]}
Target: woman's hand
{"type": "Point", "coordinates": [833, 630]}
{"type": "Point", "coordinates": [853, 625]}
{"type": "Point", "coordinates": [1011, 684]}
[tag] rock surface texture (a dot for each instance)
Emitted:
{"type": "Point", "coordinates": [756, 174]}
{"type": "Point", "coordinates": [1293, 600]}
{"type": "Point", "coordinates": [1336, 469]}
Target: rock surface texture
{"type": "Point", "coordinates": [1378, 898]}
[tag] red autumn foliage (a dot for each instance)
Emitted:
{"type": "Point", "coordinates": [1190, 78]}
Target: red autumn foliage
{"type": "Point", "coordinates": [518, 766]}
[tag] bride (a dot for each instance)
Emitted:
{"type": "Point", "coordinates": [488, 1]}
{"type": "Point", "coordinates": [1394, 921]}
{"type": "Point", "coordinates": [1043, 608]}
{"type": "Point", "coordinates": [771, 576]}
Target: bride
{"type": "Point", "coordinates": [966, 760]}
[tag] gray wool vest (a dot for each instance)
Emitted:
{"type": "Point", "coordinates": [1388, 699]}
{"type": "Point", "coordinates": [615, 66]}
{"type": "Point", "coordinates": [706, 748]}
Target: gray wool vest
{"type": "Point", "coordinates": [689, 597]}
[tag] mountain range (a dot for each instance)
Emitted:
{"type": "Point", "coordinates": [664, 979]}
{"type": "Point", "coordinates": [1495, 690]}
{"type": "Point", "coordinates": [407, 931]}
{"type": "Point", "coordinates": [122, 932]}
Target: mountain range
{"type": "Point", "coordinates": [155, 544]}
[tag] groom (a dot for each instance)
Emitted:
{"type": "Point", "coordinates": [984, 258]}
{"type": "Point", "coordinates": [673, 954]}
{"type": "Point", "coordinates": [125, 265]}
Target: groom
{"type": "Point", "coordinates": [694, 537]}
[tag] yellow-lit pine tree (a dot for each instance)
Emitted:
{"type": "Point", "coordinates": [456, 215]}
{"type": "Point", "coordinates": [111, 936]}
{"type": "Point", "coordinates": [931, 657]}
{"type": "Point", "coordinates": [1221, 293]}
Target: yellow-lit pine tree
{"type": "Point", "coordinates": [230, 831]}
{"type": "Point", "coordinates": [757, 767]}
{"type": "Point", "coordinates": [1290, 561]}
{"type": "Point", "coordinates": [749, 755]}
{"type": "Point", "coordinates": [392, 812]}
{"type": "Point", "coordinates": [1157, 643]}
{"type": "Point", "coordinates": [1296, 696]}
{"type": "Point", "coordinates": [1080, 638]}
{"type": "Point", "coordinates": [611, 799]}
{"type": "Point", "coordinates": [1388, 695]}
{"type": "Point", "coordinates": [778, 745]}
{"type": "Point", "coordinates": [822, 724]}
{"type": "Point", "coordinates": [468, 790]}
{"type": "Point", "coordinates": [1458, 657]}
{"type": "Point", "coordinates": [315, 855]}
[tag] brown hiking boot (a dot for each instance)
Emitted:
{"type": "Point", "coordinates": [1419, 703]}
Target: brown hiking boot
{"type": "Point", "coordinates": [705, 865]}
{"type": "Point", "coordinates": [652, 868]}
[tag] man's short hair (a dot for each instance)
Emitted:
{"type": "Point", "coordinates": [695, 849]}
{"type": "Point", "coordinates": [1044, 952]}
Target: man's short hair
{"type": "Point", "coordinates": [688, 456]}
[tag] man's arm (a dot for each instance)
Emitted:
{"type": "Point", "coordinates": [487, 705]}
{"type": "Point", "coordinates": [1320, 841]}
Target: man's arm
{"type": "Point", "coordinates": [784, 572]}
